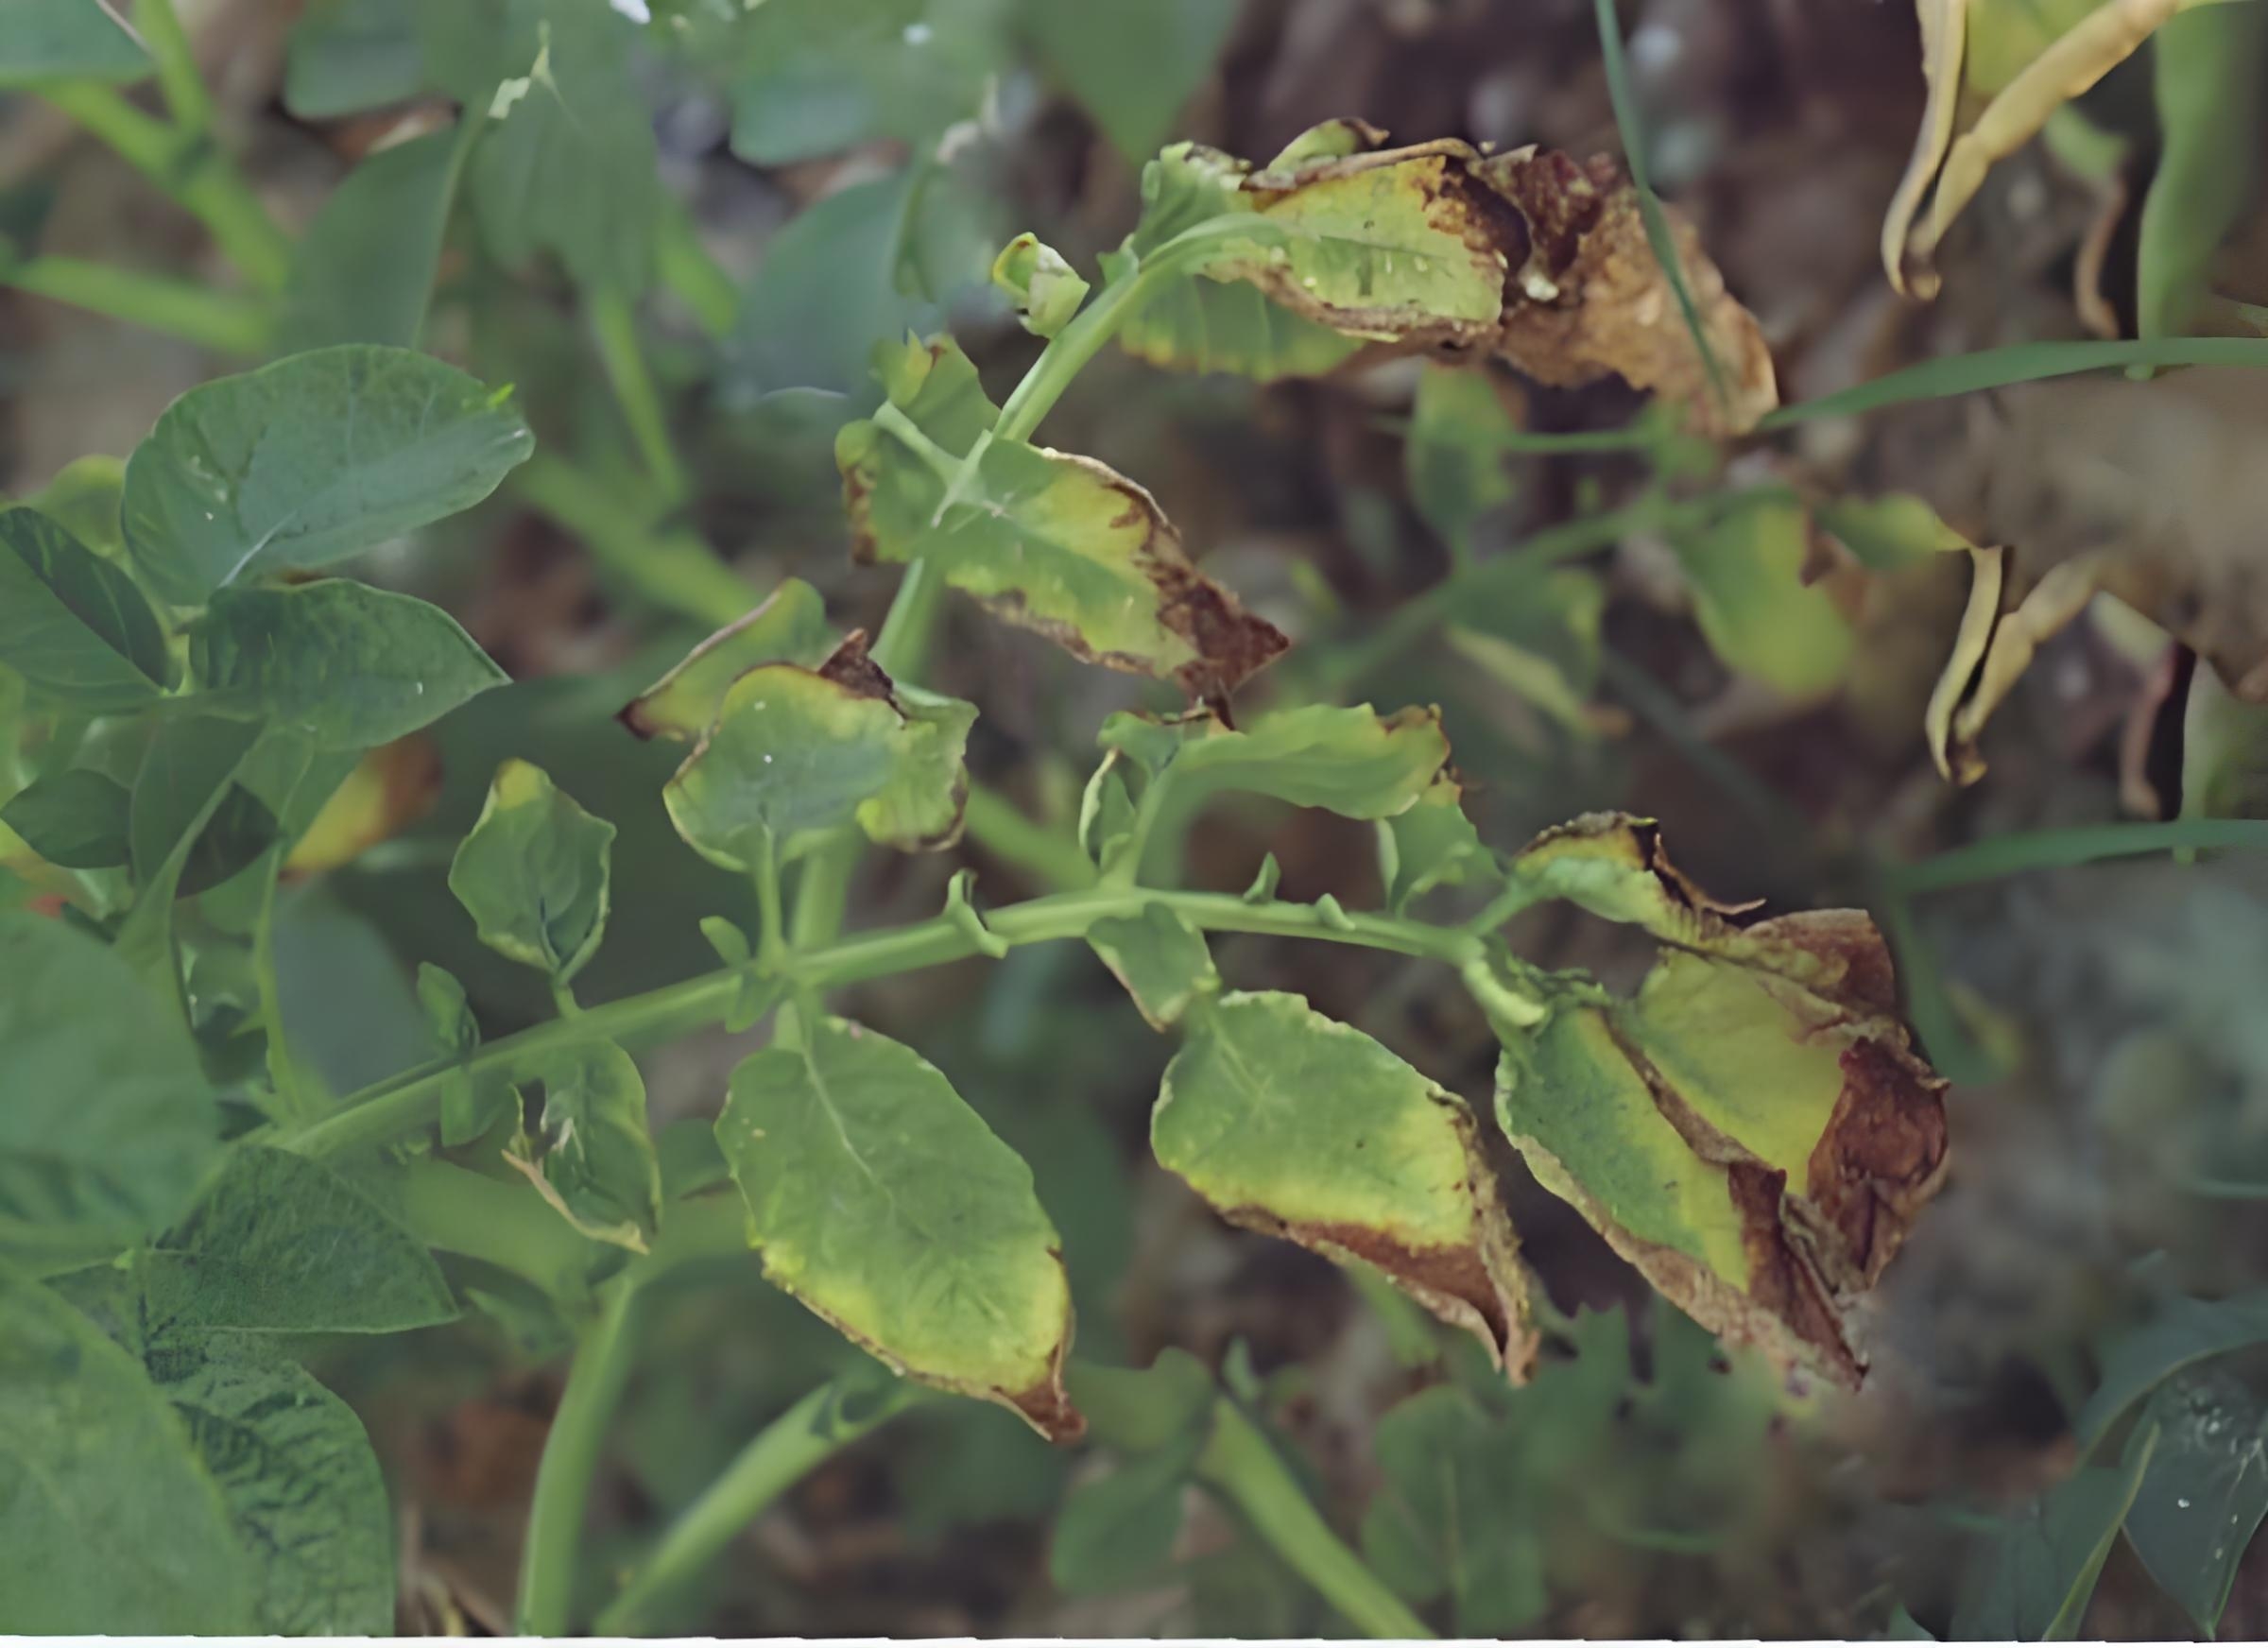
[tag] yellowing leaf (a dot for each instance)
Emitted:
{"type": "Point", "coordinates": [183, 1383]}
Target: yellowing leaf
{"type": "Point", "coordinates": [795, 752]}
{"type": "Point", "coordinates": [1753, 606]}
{"type": "Point", "coordinates": [883, 1203]}
{"type": "Point", "coordinates": [1352, 761]}
{"type": "Point", "coordinates": [390, 789]}
{"type": "Point", "coordinates": [1048, 540]}
{"type": "Point", "coordinates": [1292, 1124]}
{"type": "Point", "coordinates": [789, 626]}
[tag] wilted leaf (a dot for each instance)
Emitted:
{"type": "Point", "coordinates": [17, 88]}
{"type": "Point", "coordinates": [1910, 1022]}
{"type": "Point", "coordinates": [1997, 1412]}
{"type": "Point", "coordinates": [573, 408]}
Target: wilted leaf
{"type": "Point", "coordinates": [1751, 1130]}
{"type": "Point", "coordinates": [72, 625]}
{"type": "Point", "coordinates": [2206, 1490]}
{"type": "Point", "coordinates": [107, 1520]}
{"type": "Point", "coordinates": [598, 1164]}
{"type": "Point", "coordinates": [345, 665]}
{"type": "Point", "coordinates": [109, 1125]}
{"type": "Point", "coordinates": [42, 40]}
{"type": "Point", "coordinates": [1161, 959]}
{"type": "Point", "coordinates": [308, 461]}
{"type": "Point", "coordinates": [1294, 1124]}
{"type": "Point", "coordinates": [569, 167]}
{"type": "Point", "coordinates": [789, 626]}
{"type": "Point", "coordinates": [1994, 646]}
{"type": "Point", "coordinates": [1048, 540]}
{"type": "Point", "coordinates": [533, 872]}
{"type": "Point", "coordinates": [2033, 1579]}
{"type": "Point", "coordinates": [1352, 761]}
{"type": "Point", "coordinates": [1755, 609]}
{"type": "Point", "coordinates": [882, 1201]}
{"type": "Point", "coordinates": [75, 818]}
{"type": "Point", "coordinates": [386, 791]}
{"type": "Point", "coordinates": [795, 752]}
{"type": "Point", "coordinates": [1528, 255]}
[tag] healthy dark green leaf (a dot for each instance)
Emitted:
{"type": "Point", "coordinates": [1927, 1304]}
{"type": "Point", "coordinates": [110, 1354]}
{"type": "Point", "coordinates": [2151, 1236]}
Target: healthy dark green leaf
{"type": "Point", "coordinates": [534, 871]}
{"type": "Point", "coordinates": [67, 39]}
{"type": "Point", "coordinates": [2206, 1491]}
{"type": "Point", "coordinates": [366, 266]}
{"type": "Point", "coordinates": [75, 818]}
{"type": "Point", "coordinates": [307, 462]}
{"type": "Point", "coordinates": [2183, 1331]}
{"type": "Point", "coordinates": [347, 666]}
{"type": "Point", "coordinates": [2033, 1578]}
{"type": "Point", "coordinates": [109, 1521]}
{"type": "Point", "coordinates": [880, 1199]}
{"type": "Point", "coordinates": [191, 758]}
{"type": "Point", "coordinates": [346, 55]}
{"type": "Point", "coordinates": [570, 169]}
{"type": "Point", "coordinates": [71, 624]}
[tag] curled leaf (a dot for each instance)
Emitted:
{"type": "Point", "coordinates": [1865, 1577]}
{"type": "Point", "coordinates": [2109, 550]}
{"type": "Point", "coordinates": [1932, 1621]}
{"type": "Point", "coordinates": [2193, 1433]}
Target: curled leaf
{"type": "Point", "coordinates": [1352, 761]}
{"type": "Point", "coordinates": [1048, 540]}
{"type": "Point", "coordinates": [1993, 649]}
{"type": "Point", "coordinates": [789, 625]}
{"type": "Point", "coordinates": [1292, 1124]}
{"type": "Point", "coordinates": [1944, 37]}
{"type": "Point", "coordinates": [1047, 290]}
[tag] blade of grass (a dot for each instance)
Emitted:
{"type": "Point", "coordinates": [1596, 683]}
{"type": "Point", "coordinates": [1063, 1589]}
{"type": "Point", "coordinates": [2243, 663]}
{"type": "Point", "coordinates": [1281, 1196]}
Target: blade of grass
{"type": "Point", "coordinates": [1649, 204]}
{"type": "Point", "coordinates": [2007, 855]}
{"type": "Point", "coordinates": [2020, 363]}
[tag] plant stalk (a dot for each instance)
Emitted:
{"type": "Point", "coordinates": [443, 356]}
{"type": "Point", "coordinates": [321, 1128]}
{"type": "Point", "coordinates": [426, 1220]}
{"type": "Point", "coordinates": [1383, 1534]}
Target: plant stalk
{"type": "Point", "coordinates": [220, 321]}
{"type": "Point", "coordinates": [594, 1385]}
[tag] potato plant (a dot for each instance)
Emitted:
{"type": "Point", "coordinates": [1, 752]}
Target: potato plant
{"type": "Point", "coordinates": [210, 694]}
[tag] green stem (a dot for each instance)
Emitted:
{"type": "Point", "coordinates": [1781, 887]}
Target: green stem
{"type": "Point", "coordinates": [614, 327]}
{"type": "Point", "coordinates": [2007, 856]}
{"type": "Point", "coordinates": [1046, 855]}
{"type": "Point", "coordinates": [168, 43]}
{"type": "Point", "coordinates": [508, 1226]}
{"type": "Point", "coordinates": [675, 570]}
{"type": "Point", "coordinates": [191, 170]}
{"type": "Point", "coordinates": [219, 321]}
{"type": "Point", "coordinates": [687, 270]}
{"type": "Point", "coordinates": [282, 1077]}
{"type": "Point", "coordinates": [554, 1524]}
{"type": "Point", "coordinates": [1241, 1463]}
{"type": "Point", "coordinates": [771, 944]}
{"type": "Point", "coordinates": [402, 1104]}
{"type": "Point", "coordinates": [774, 1460]}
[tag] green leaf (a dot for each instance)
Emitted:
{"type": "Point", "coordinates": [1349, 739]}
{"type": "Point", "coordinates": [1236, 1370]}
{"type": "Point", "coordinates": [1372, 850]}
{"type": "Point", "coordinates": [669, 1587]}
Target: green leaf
{"type": "Point", "coordinates": [346, 55]}
{"type": "Point", "coordinates": [109, 1125]}
{"type": "Point", "coordinates": [790, 627]}
{"type": "Point", "coordinates": [1047, 290]}
{"type": "Point", "coordinates": [2206, 1490]}
{"type": "Point", "coordinates": [468, 1108]}
{"type": "Point", "coordinates": [281, 1245]}
{"type": "Point", "coordinates": [1132, 64]}
{"type": "Point", "coordinates": [2207, 66]}
{"type": "Point", "coordinates": [1451, 1518]}
{"type": "Point", "coordinates": [1895, 530]}
{"type": "Point", "coordinates": [1289, 1122]}
{"type": "Point", "coordinates": [883, 1202]}
{"type": "Point", "coordinates": [67, 39]}
{"type": "Point", "coordinates": [570, 169]}
{"type": "Point", "coordinates": [1351, 761]}
{"type": "Point", "coordinates": [83, 498]}
{"type": "Point", "coordinates": [1048, 540]}
{"type": "Point", "coordinates": [1161, 959]}
{"type": "Point", "coordinates": [533, 872]}
{"type": "Point", "coordinates": [1117, 1532]}
{"type": "Point", "coordinates": [796, 753]}
{"type": "Point", "coordinates": [1199, 325]}
{"type": "Point", "coordinates": [2183, 1331]}
{"type": "Point", "coordinates": [1537, 638]}
{"type": "Point", "coordinates": [1460, 434]}
{"type": "Point", "coordinates": [307, 462]}
{"type": "Point", "coordinates": [1431, 844]}
{"type": "Point", "coordinates": [75, 818]}
{"type": "Point", "coordinates": [343, 664]}
{"type": "Point", "coordinates": [72, 625]}
{"type": "Point", "coordinates": [1753, 606]}
{"type": "Point", "coordinates": [191, 758]}
{"type": "Point", "coordinates": [2034, 1578]}
{"type": "Point", "coordinates": [366, 266]}
{"type": "Point", "coordinates": [817, 76]}
{"type": "Point", "coordinates": [302, 1488]}
{"type": "Point", "coordinates": [109, 1521]}
{"type": "Point", "coordinates": [1137, 1409]}
{"type": "Point", "coordinates": [598, 1167]}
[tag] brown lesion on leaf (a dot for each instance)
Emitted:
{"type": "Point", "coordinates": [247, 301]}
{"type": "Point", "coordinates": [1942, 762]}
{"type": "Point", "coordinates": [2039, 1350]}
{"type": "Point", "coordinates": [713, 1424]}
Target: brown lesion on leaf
{"type": "Point", "coordinates": [1881, 1155]}
{"type": "Point", "coordinates": [1781, 1277]}
{"type": "Point", "coordinates": [850, 667]}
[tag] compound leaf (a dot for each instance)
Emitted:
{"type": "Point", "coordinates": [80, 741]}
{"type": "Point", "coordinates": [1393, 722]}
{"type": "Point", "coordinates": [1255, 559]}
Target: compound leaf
{"type": "Point", "coordinates": [340, 662]}
{"type": "Point", "coordinates": [1292, 1124]}
{"type": "Point", "coordinates": [883, 1202]}
{"type": "Point", "coordinates": [74, 626]}
{"type": "Point", "coordinates": [109, 1521]}
{"type": "Point", "coordinates": [109, 1125]}
{"type": "Point", "coordinates": [309, 460]}
{"type": "Point", "coordinates": [533, 872]}
{"type": "Point", "coordinates": [795, 752]}
{"type": "Point", "coordinates": [1048, 540]}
